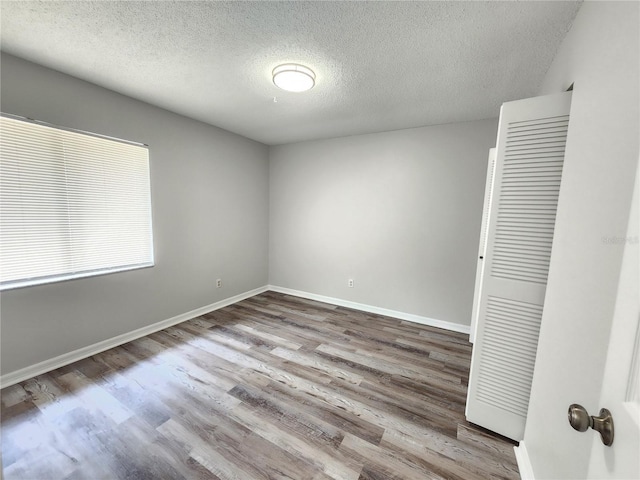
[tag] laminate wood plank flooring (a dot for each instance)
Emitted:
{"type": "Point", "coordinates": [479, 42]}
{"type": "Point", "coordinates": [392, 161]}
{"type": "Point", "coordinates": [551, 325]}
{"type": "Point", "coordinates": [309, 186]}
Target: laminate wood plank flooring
{"type": "Point", "coordinates": [273, 387]}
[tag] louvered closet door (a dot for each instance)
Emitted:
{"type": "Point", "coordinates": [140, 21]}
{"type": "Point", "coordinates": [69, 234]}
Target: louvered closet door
{"type": "Point", "coordinates": [529, 156]}
{"type": "Point", "coordinates": [482, 248]}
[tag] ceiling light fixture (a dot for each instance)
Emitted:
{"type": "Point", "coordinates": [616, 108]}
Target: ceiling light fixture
{"type": "Point", "coordinates": [293, 77]}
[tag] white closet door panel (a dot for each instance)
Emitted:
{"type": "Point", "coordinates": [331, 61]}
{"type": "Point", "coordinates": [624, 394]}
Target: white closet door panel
{"type": "Point", "coordinates": [482, 249]}
{"type": "Point", "coordinates": [529, 157]}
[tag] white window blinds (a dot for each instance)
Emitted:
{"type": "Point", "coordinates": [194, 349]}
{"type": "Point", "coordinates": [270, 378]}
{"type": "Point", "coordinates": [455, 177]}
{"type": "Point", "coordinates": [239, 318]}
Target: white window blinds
{"type": "Point", "coordinates": [71, 204]}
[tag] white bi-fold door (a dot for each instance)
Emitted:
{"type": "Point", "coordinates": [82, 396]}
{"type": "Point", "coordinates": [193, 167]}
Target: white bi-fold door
{"type": "Point", "coordinates": [530, 147]}
{"type": "Point", "coordinates": [482, 247]}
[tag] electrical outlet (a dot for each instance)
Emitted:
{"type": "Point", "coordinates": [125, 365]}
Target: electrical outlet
{"type": "Point", "coordinates": [218, 283]}
{"type": "Point", "coordinates": [350, 283]}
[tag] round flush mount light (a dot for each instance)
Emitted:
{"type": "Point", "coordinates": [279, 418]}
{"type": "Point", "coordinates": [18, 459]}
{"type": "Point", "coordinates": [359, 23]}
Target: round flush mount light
{"type": "Point", "coordinates": [293, 77]}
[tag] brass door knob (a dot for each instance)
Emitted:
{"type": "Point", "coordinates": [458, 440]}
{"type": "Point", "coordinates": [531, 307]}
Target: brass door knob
{"type": "Point", "coordinates": [580, 420]}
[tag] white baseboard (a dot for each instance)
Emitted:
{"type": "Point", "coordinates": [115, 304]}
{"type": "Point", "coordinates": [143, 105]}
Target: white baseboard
{"type": "Point", "coordinates": [454, 327]}
{"type": "Point", "coordinates": [524, 463]}
{"type": "Point", "coordinates": [84, 352]}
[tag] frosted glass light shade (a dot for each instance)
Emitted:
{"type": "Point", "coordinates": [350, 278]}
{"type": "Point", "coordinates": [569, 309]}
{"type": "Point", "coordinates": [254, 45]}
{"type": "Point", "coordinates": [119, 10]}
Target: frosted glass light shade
{"type": "Point", "coordinates": [293, 77]}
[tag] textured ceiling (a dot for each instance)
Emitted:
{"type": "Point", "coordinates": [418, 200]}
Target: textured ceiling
{"type": "Point", "coordinates": [379, 65]}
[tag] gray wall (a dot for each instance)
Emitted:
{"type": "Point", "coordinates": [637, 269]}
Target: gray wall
{"type": "Point", "coordinates": [399, 212]}
{"type": "Point", "coordinates": [210, 218]}
{"type": "Point", "coordinates": [601, 55]}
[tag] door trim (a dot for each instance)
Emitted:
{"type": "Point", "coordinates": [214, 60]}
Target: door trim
{"type": "Point", "coordinates": [524, 463]}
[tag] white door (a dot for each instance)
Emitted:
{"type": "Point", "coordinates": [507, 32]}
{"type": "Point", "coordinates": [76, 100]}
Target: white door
{"type": "Point", "coordinates": [620, 387]}
{"type": "Point", "coordinates": [529, 158]}
{"type": "Point", "coordinates": [482, 248]}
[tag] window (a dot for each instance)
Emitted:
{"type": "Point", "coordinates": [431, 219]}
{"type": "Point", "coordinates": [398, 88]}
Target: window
{"type": "Point", "coordinates": [72, 204]}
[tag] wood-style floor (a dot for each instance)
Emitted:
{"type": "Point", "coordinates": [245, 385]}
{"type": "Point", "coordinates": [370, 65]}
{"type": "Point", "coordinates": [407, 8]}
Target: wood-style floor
{"type": "Point", "coordinates": [272, 387]}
